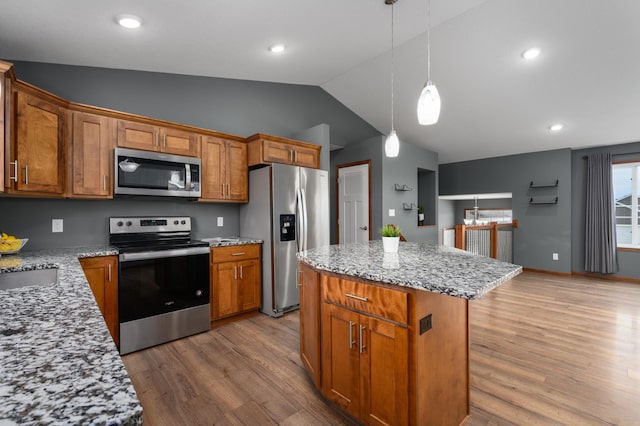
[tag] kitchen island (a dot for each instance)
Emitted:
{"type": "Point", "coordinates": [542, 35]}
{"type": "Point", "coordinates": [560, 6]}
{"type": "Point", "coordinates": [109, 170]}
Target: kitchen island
{"type": "Point", "coordinates": [58, 362]}
{"type": "Point", "coordinates": [385, 336]}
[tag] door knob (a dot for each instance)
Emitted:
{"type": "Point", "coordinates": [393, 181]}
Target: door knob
{"type": "Point", "coordinates": [364, 228]}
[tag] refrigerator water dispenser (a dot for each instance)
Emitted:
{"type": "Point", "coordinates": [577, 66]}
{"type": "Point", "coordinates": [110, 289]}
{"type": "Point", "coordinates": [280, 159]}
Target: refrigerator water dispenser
{"type": "Point", "coordinates": [287, 227]}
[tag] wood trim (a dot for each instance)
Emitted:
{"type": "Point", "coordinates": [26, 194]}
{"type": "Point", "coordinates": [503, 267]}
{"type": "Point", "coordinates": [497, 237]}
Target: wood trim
{"type": "Point", "coordinates": [631, 249]}
{"type": "Point", "coordinates": [341, 166]}
{"type": "Point", "coordinates": [607, 277]}
{"type": "Point", "coordinates": [259, 136]}
{"type": "Point", "coordinates": [627, 161]}
{"type": "Point", "coordinates": [545, 271]}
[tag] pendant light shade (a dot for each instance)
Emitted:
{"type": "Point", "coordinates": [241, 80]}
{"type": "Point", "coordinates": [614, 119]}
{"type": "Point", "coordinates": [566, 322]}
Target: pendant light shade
{"type": "Point", "coordinates": [429, 105]}
{"type": "Point", "coordinates": [392, 145]}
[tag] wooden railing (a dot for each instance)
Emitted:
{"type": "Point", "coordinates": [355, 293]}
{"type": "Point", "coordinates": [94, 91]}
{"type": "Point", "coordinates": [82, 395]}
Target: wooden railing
{"type": "Point", "coordinates": [493, 240]}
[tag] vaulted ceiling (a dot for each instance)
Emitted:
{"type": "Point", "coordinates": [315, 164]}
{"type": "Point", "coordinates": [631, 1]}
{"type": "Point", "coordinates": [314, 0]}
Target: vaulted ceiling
{"type": "Point", "coordinates": [493, 101]}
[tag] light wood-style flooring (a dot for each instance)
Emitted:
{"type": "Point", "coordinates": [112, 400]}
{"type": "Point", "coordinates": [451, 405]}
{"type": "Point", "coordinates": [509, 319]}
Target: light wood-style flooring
{"type": "Point", "coordinates": [545, 350]}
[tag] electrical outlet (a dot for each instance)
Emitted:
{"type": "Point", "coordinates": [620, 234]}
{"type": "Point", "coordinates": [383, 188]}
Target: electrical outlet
{"type": "Point", "coordinates": [56, 225]}
{"type": "Point", "coordinates": [555, 256]}
{"type": "Point", "coordinates": [392, 212]}
{"type": "Point", "coordinates": [220, 221]}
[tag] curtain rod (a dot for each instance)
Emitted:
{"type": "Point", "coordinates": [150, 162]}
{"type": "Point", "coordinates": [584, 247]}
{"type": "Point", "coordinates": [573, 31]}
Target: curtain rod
{"type": "Point", "coordinates": [584, 157]}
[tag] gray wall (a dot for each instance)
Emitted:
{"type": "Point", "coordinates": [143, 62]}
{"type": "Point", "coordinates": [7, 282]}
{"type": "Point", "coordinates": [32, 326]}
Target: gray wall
{"type": "Point", "coordinates": [544, 229]}
{"type": "Point", "coordinates": [232, 106]}
{"type": "Point", "coordinates": [370, 149]}
{"type": "Point", "coordinates": [627, 260]}
{"type": "Point", "coordinates": [404, 170]}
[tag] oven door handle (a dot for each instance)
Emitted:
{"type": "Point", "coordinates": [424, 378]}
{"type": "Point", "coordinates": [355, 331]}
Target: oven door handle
{"type": "Point", "coordinates": [160, 254]}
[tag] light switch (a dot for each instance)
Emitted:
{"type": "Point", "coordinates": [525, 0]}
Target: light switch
{"type": "Point", "coordinates": [220, 221]}
{"type": "Point", "coordinates": [56, 225]}
{"type": "Point", "coordinates": [392, 212]}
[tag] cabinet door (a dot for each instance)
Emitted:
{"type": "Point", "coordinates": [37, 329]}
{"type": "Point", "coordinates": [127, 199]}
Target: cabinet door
{"type": "Point", "coordinates": [179, 142]}
{"type": "Point", "coordinates": [102, 275]}
{"type": "Point", "coordinates": [237, 172]}
{"type": "Point", "coordinates": [306, 157]}
{"type": "Point", "coordinates": [138, 135]}
{"type": "Point", "coordinates": [310, 321]}
{"type": "Point", "coordinates": [277, 152]}
{"type": "Point", "coordinates": [225, 290]}
{"type": "Point", "coordinates": [384, 366]}
{"type": "Point", "coordinates": [39, 145]}
{"type": "Point", "coordinates": [249, 284]}
{"type": "Point", "coordinates": [93, 141]}
{"type": "Point", "coordinates": [340, 358]}
{"type": "Point", "coordinates": [213, 168]}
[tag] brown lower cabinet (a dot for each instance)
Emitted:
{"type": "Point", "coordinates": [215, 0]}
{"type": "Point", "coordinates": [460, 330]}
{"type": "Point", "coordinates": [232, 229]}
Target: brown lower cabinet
{"type": "Point", "coordinates": [235, 280]}
{"type": "Point", "coordinates": [389, 355]}
{"type": "Point", "coordinates": [102, 275]}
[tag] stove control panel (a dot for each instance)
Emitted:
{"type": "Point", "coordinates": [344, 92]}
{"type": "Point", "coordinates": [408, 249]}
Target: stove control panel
{"type": "Point", "coordinates": [130, 225]}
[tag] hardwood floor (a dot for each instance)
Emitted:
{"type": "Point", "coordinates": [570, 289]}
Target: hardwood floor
{"type": "Point", "coordinates": [545, 350]}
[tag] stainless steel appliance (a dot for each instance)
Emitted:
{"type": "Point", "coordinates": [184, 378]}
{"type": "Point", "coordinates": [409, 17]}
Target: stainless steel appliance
{"type": "Point", "coordinates": [154, 173]}
{"type": "Point", "coordinates": [163, 280]}
{"type": "Point", "coordinates": [289, 210]}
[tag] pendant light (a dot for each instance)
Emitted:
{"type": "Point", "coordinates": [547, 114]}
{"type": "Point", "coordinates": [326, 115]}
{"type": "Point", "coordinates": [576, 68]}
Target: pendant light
{"type": "Point", "coordinates": [429, 101]}
{"type": "Point", "coordinates": [391, 144]}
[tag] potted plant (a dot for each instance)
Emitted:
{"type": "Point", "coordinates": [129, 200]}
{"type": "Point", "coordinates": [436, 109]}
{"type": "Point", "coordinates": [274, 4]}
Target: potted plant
{"type": "Point", "coordinates": [420, 213]}
{"type": "Point", "coordinates": [390, 238]}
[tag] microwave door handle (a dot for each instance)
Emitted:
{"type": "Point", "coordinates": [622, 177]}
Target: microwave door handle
{"type": "Point", "coordinates": [187, 177]}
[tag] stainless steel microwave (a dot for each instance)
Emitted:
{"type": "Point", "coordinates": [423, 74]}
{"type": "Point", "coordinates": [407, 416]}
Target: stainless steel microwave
{"type": "Point", "coordinates": [154, 173]}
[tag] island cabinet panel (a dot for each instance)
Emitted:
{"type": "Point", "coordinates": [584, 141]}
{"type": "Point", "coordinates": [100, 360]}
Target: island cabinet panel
{"type": "Point", "coordinates": [225, 175]}
{"type": "Point", "coordinates": [235, 280]}
{"type": "Point", "coordinates": [147, 137]}
{"type": "Point", "coordinates": [37, 158]}
{"type": "Point", "coordinates": [93, 140]}
{"type": "Point", "coordinates": [365, 359]}
{"type": "Point", "coordinates": [102, 275]}
{"type": "Point", "coordinates": [309, 282]}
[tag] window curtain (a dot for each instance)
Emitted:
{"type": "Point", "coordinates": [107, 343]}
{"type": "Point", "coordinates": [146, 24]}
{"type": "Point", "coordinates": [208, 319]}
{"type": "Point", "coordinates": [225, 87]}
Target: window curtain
{"type": "Point", "coordinates": [600, 228]}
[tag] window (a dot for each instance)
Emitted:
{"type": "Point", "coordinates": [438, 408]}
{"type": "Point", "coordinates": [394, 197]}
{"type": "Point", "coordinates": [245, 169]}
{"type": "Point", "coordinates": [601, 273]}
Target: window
{"type": "Point", "coordinates": [490, 215]}
{"type": "Point", "coordinates": [626, 182]}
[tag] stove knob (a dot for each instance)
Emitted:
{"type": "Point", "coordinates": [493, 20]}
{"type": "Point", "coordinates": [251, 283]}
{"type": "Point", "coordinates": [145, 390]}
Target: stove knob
{"type": "Point", "coordinates": [175, 222]}
{"type": "Point", "coordinates": [183, 222]}
{"type": "Point", "coordinates": [120, 223]}
{"type": "Point", "coordinates": [129, 223]}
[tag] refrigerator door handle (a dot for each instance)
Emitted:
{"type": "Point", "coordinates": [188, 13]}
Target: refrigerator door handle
{"type": "Point", "coordinates": [299, 226]}
{"type": "Point", "coordinates": [305, 229]}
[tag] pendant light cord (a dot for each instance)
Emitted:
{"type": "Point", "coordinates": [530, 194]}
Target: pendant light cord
{"type": "Point", "coordinates": [428, 40]}
{"type": "Point", "coordinates": [392, 126]}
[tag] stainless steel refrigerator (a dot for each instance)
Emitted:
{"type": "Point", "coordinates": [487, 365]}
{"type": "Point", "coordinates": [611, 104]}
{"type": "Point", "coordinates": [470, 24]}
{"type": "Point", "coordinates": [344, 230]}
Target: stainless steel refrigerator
{"type": "Point", "coordinates": [289, 210]}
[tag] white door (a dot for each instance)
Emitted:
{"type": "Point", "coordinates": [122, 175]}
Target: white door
{"type": "Point", "coordinates": [353, 203]}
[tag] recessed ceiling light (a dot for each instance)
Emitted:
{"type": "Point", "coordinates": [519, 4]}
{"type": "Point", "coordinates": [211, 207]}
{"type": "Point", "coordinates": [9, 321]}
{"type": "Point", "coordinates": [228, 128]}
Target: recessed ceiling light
{"type": "Point", "coordinates": [129, 21]}
{"type": "Point", "coordinates": [277, 48]}
{"type": "Point", "coordinates": [531, 53]}
{"type": "Point", "coordinates": [556, 127]}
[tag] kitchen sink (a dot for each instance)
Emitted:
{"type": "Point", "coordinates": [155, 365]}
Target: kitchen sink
{"type": "Point", "coordinates": [28, 278]}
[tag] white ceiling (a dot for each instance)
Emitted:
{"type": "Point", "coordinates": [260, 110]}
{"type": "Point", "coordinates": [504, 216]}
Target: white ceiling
{"type": "Point", "coordinates": [493, 102]}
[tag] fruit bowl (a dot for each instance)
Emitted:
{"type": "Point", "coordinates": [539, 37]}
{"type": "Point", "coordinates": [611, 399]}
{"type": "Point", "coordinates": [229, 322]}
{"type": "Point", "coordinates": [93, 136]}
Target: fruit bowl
{"type": "Point", "coordinates": [13, 246]}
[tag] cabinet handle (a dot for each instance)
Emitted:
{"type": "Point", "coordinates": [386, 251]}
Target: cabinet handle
{"type": "Point", "coordinates": [15, 171]}
{"type": "Point", "coordinates": [26, 174]}
{"type": "Point", "coordinates": [104, 182]}
{"type": "Point", "coordinates": [164, 141]}
{"type": "Point", "coordinates": [238, 254]}
{"type": "Point", "coordinates": [156, 134]}
{"type": "Point", "coordinates": [228, 189]}
{"type": "Point", "coordinates": [222, 189]}
{"type": "Point", "coordinates": [235, 272]}
{"type": "Point", "coordinates": [362, 346]}
{"type": "Point", "coordinates": [353, 296]}
{"type": "Point", "coordinates": [241, 267]}
{"type": "Point", "coordinates": [291, 156]}
{"type": "Point", "coordinates": [295, 156]}
{"type": "Point", "coordinates": [351, 341]}
{"type": "Point", "coordinates": [299, 283]}
{"type": "Point", "coordinates": [109, 268]}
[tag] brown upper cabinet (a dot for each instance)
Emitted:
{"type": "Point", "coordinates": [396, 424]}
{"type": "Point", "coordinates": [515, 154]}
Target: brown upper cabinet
{"type": "Point", "coordinates": [135, 135]}
{"type": "Point", "coordinates": [93, 139]}
{"type": "Point", "coordinates": [267, 149]}
{"type": "Point", "coordinates": [36, 153]}
{"type": "Point", "coordinates": [224, 170]}
{"type": "Point", "coordinates": [6, 71]}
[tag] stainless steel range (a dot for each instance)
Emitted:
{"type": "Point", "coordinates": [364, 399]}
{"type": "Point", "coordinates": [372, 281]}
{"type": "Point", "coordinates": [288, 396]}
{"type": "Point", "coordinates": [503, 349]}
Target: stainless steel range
{"type": "Point", "coordinates": [163, 281]}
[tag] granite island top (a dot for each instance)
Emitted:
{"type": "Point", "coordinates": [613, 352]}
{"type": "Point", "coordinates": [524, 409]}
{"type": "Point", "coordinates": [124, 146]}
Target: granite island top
{"type": "Point", "coordinates": [58, 363]}
{"type": "Point", "coordinates": [430, 267]}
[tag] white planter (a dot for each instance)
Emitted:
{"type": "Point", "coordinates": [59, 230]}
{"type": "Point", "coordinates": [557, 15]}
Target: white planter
{"type": "Point", "coordinates": [390, 244]}
{"type": "Point", "coordinates": [420, 217]}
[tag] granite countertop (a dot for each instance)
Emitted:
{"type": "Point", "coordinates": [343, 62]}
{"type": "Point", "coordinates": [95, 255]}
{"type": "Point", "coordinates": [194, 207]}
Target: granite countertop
{"type": "Point", "coordinates": [429, 267]}
{"type": "Point", "coordinates": [231, 241]}
{"type": "Point", "coordinates": [58, 363]}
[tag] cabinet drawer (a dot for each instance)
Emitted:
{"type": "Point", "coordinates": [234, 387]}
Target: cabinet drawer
{"type": "Point", "coordinates": [379, 301]}
{"type": "Point", "coordinates": [235, 253]}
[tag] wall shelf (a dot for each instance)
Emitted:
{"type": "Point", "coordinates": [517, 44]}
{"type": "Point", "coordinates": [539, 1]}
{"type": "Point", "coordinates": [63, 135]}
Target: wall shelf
{"type": "Point", "coordinates": [403, 187]}
{"type": "Point", "coordinates": [543, 185]}
{"type": "Point", "coordinates": [533, 200]}
{"type": "Point", "coordinates": [408, 206]}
